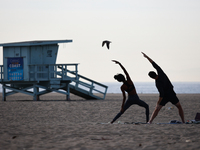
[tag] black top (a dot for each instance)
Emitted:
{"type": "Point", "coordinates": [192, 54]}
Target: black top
{"type": "Point", "coordinates": [129, 87]}
{"type": "Point", "coordinates": [163, 83]}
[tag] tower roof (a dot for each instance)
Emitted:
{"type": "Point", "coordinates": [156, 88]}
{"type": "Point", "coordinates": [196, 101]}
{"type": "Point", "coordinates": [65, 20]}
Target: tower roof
{"type": "Point", "coordinates": [33, 43]}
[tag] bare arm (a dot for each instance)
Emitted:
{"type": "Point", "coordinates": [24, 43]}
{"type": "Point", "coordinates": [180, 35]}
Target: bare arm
{"type": "Point", "coordinates": [126, 73]}
{"type": "Point", "coordinates": [124, 99]}
{"type": "Point", "coordinates": [150, 60]}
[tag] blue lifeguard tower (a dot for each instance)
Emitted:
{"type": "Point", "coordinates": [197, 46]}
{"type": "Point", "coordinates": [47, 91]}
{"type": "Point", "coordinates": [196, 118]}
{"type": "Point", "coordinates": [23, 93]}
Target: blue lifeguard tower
{"type": "Point", "coordinates": [30, 68]}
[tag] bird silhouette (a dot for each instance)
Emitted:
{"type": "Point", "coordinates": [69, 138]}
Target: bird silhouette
{"type": "Point", "coordinates": [107, 43]}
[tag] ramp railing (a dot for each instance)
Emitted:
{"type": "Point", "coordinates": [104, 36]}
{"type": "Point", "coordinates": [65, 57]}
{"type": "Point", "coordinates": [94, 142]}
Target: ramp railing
{"type": "Point", "coordinates": [88, 86]}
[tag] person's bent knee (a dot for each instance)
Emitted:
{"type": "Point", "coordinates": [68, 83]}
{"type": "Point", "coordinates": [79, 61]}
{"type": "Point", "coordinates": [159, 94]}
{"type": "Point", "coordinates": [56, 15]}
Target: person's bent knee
{"type": "Point", "coordinates": [147, 107]}
{"type": "Point", "coordinates": [178, 104]}
{"type": "Point", "coordinates": [158, 107]}
{"type": "Point", "coordinates": [121, 112]}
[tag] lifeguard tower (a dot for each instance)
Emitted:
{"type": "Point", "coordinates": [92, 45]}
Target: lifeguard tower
{"type": "Point", "coordinates": [30, 68]}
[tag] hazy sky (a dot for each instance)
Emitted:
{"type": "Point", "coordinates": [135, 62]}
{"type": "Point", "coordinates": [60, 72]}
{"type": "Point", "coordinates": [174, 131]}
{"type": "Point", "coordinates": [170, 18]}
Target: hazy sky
{"type": "Point", "coordinates": [166, 30]}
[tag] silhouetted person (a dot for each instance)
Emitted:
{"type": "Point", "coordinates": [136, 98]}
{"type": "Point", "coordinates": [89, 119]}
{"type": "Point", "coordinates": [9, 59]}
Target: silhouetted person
{"type": "Point", "coordinates": [165, 89]}
{"type": "Point", "coordinates": [133, 98]}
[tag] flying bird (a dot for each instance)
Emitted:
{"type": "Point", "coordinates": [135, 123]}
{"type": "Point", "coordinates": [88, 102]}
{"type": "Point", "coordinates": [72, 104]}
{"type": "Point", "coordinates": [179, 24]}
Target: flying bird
{"type": "Point", "coordinates": [107, 43]}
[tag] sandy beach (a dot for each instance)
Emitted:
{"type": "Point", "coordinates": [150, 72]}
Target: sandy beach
{"type": "Point", "coordinates": [54, 123]}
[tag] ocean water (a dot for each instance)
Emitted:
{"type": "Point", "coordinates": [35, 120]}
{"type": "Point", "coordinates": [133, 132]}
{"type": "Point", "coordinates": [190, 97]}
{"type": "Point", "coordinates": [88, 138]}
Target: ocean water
{"type": "Point", "coordinates": [149, 87]}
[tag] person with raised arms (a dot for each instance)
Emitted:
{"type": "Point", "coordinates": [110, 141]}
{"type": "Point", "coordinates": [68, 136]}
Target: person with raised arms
{"type": "Point", "coordinates": [133, 98]}
{"type": "Point", "coordinates": [165, 89]}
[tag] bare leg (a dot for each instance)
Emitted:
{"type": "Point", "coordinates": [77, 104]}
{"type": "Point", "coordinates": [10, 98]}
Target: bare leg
{"type": "Point", "coordinates": [155, 113]}
{"type": "Point", "coordinates": [178, 105]}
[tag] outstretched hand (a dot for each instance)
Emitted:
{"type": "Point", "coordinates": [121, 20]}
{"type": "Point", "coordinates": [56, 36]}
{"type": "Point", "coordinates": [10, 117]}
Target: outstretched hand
{"type": "Point", "coordinates": [116, 61]}
{"type": "Point", "coordinates": [144, 55]}
{"type": "Point", "coordinates": [150, 60]}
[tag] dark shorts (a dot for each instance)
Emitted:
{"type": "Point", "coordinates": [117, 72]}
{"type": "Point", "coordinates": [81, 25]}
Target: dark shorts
{"type": "Point", "coordinates": [171, 97]}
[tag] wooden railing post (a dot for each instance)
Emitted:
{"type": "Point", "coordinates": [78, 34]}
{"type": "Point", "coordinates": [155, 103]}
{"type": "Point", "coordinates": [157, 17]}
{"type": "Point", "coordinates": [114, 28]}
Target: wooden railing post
{"type": "Point", "coordinates": [49, 72]}
{"type": "Point", "coordinates": [62, 72]}
{"type": "Point", "coordinates": [35, 68]}
{"type": "Point", "coordinates": [1, 73]}
{"type": "Point", "coordinates": [91, 88]}
{"type": "Point", "coordinates": [76, 71]}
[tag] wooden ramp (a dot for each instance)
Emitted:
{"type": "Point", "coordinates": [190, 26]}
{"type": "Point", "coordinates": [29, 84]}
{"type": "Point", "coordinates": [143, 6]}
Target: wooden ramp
{"type": "Point", "coordinates": [88, 89]}
{"type": "Point", "coordinates": [83, 93]}
{"type": "Point", "coordinates": [85, 87]}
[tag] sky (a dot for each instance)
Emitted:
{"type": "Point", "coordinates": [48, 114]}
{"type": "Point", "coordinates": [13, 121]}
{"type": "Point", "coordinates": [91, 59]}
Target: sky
{"type": "Point", "coordinates": [167, 31]}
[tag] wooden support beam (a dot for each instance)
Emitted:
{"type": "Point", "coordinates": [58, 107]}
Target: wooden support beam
{"type": "Point", "coordinates": [4, 93]}
{"type": "Point", "coordinates": [15, 90]}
